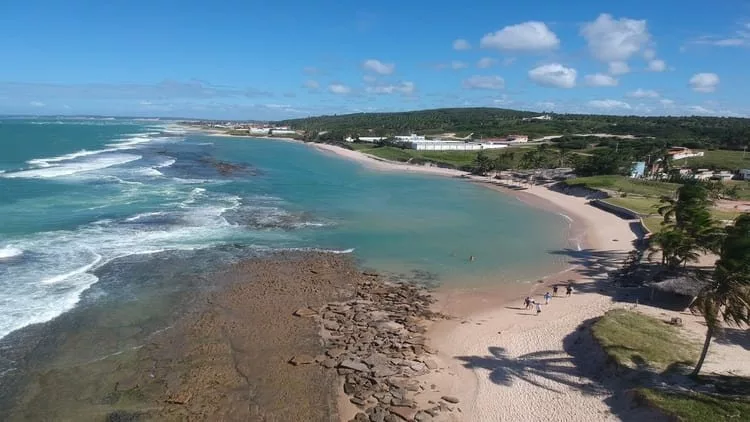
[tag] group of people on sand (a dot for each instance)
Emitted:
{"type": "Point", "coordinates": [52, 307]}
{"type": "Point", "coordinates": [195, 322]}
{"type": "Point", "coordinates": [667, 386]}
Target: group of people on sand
{"type": "Point", "coordinates": [529, 302]}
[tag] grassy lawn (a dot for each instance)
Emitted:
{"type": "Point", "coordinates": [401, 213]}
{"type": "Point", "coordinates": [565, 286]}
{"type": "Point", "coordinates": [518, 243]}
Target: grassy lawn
{"type": "Point", "coordinates": [626, 185]}
{"type": "Point", "coordinates": [719, 159]}
{"type": "Point", "coordinates": [694, 407]}
{"type": "Point", "coordinates": [632, 338]}
{"type": "Point", "coordinates": [639, 204]}
{"type": "Point", "coordinates": [743, 188]}
{"type": "Point", "coordinates": [456, 159]}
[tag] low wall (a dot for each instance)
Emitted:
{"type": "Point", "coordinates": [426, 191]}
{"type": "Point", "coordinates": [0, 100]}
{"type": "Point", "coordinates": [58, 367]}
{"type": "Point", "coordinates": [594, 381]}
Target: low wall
{"type": "Point", "coordinates": [625, 213]}
{"type": "Point", "coordinates": [579, 191]}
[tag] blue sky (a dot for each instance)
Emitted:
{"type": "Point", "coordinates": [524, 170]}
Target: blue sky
{"type": "Point", "coordinates": [279, 59]}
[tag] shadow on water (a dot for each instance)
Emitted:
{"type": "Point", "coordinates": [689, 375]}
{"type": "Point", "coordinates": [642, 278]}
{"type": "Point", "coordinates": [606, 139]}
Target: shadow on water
{"type": "Point", "coordinates": [581, 365]}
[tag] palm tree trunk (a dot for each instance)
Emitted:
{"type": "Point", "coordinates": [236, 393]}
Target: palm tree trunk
{"type": "Point", "coordinates": [704, 352]}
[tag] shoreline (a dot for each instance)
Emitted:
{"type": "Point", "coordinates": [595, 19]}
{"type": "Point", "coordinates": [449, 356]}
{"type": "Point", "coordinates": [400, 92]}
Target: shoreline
{"type": "Point", "coordinates": [489, 331]}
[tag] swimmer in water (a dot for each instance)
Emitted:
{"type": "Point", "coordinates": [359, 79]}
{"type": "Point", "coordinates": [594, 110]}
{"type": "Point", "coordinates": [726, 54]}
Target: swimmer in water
{"type": "Point", "coordinates": [471, 258]}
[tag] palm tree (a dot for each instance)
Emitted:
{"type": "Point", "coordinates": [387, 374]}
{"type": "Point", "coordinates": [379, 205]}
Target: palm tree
{"type": "Point", "coordinates": [726, 298]}
{"type": "Point", "coordinates": [688, 227]}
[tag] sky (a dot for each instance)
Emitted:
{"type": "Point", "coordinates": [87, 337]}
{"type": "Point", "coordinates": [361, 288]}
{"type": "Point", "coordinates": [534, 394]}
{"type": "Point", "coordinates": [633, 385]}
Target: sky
{"type": "Point", "coordinates": [279, 59]}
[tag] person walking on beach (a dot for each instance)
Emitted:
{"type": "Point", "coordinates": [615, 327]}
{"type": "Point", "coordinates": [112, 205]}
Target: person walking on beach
{"type": "Point", "coordinates": [554, 290]}
{"type": "Point", "coordinates": [527, 303]}
{"type": "Point", "coordinates": [569, 290]}
{"type": "Point", "coordinates": [547, 296]}
{"type": "Point", "coordinates": [538, 309]}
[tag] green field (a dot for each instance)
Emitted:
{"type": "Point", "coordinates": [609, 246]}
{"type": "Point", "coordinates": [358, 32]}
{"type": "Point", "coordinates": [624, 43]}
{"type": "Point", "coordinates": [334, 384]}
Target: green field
{"type": "Point", "coordinates": [622, 184]}
{"type": "Point", "coordinates": [694, 407]}
{"type": "Point", "coordinates": [454, 159]}
{"type": "Point", "coordinates": [631, 338]}
{"type": "Point", "coordinates": [718, 159]}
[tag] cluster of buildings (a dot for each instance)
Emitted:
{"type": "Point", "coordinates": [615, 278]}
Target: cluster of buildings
{"type": "Point", "coordinates": [421, 143]}
{"type": "Point", "coordinates": [255, 129]}
{"type": "Point", "coordinates": [638, 170]}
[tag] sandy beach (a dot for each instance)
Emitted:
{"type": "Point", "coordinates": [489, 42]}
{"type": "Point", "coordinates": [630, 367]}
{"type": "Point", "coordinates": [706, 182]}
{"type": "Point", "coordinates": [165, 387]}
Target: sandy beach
{"type": "Point", "coordinates": [505, 363]}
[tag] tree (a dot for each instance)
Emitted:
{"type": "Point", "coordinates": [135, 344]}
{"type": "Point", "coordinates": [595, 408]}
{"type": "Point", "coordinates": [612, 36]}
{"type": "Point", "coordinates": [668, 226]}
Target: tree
{"type": "Point", "coordinates": [726, 298]}
{"type": "Point", "coordinates": [483, 164]}
{"type": "Point", "coordinates": [505, 160]}
{"type": "Point", "coordinates": [688, 227]}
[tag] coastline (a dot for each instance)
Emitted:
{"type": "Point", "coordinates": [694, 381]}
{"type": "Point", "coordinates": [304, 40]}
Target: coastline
{"type": "Point", "coordinates": [489, 331]}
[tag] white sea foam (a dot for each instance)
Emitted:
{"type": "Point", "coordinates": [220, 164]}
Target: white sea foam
{"type": "Point", "coordinates": [166, 163]}
{"type": "Point", "coordinates": [74, 167]}
{"type": "Point", "coordinates": [142, 216]}
{"type": "Point", "coordinates": [80, 270]}
{"type": "Point", "coordinates": [9, 252]}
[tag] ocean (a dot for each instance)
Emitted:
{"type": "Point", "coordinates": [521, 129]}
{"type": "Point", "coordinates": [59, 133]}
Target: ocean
{"type": "Point", "coordinates": [81, 200]}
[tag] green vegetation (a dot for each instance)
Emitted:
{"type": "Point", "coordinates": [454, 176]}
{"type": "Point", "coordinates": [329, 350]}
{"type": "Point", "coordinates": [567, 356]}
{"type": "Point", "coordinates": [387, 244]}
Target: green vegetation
{"type": "Point", "coordinates": [452, 159]}
{"type": "Point", "coordinates": [694, 407]}
{"type": "Point", "coordinates": [622, 184]}
{"type": "Point", "coordinates": [726, 298]}
{"type": "Point", "coordinates": [631, 338]}
{"type": "Point", "coordinates": [719, 160]}
{"type": "Point", "coordinates": [692, 132]}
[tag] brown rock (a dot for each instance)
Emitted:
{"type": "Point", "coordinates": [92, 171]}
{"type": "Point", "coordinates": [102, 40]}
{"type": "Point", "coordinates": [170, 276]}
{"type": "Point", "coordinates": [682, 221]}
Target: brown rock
{"type": "Point", "coordinates": [302, 360]}
{"type": "Point", "coordinates": [328, 363]}
{"type": "Point", "coordinates": [405, 413]}
{"type": "Point", "coordinates": [305, 312]}
{"type": "Point", "coordinates": [450, 399]}
{"type": "Point", "coordinates": [354, 365]}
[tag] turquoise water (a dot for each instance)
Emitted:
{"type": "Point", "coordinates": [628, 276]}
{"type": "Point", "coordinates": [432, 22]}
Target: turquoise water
{"type": "Point", "coordinates": [77, 194]}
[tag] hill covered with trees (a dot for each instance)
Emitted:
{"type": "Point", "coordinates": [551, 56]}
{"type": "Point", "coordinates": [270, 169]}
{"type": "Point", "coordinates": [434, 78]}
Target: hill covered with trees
{"type": "Point", "coordinates": [689, 131]}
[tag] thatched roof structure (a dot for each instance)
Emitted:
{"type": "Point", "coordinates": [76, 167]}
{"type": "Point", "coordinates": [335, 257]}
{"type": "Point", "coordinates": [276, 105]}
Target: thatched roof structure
{"type": "Point", "coordinates": [686, 285]}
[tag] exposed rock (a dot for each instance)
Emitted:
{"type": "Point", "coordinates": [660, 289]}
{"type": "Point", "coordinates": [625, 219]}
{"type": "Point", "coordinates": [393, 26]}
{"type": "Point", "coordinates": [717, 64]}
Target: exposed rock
{"type": "Point", "coordinates": [302, 360]}
{"type": "Point", "coordinates": [355, 365]}
{"type": "Point", "coordinates": [450, 399]}
{"type": "Point", "coordinates": [305, 312]}
{"type": "Point", "coordinates": [405, 413]}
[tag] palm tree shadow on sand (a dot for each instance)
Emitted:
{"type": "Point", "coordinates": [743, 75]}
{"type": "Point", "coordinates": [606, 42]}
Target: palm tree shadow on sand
{"type": "Point", "coordinates": [556, 367]}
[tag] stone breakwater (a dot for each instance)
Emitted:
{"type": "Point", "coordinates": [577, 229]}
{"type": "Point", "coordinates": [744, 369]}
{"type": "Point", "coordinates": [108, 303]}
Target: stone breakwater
{"type": "Point", "coordinates": [376, 344]}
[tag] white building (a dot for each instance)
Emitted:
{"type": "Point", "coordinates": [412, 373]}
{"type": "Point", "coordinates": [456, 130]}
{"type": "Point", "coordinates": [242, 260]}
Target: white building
{"type": "Point", "coordinates": [680, 153]}
{"type": "Point", "coordinates": [366, 139]}
{"type": "Point", "coordinates": [518, 138]}
{"type": "Point", "coordinates": [543, 117]}
{"type": "Point", "coordinates": [410, 138]}
{"type": "Point", "coordinates": [259, 130]}
{"type": "Point", "coordinates": [283, 132]}
{"type": "Point", "coordinates": [455, 146]}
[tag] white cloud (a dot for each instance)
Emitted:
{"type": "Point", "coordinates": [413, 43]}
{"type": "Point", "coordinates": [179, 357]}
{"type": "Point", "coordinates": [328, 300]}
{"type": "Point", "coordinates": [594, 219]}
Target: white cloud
{"type": "Point", "coordinates": [373, 65]}
{"type": "Point", "coordinates": [611, 40]}
{"type": "Point", "coordinates": [145, 103]}
{"type": "Point", "coordinates": [600, 79]}
{"type": "Point", "coordinates": [339, 89]}
{"type": "Point", "coordinates": [461, 44]}
{"type": "Point", "coordinates": [740, 38]}
{"type": "Point", "coordinates": [649, 54]}
{"type": "Point", "coordinates": [700, 110]}
{"type": "Point", "coordinates": [618, 68]}
{"type": "Point", "coordinates": [37, 104]}
{"type": "Point", "coordinates": [369, 79]}
{"type": "Point", "coordinates": [666, 102]}
{"type": "Point", "coordinates": [509, 61]}
{"type": "Point", "coordinates": [546, 105]}
{"type": "Point", "coordinates": [310, 70]}
{"type": "Point", "coordinates": [311, 84]}
{"type": "Point", "coordinates": [704, 82]}
{"type": "Point", "coordinates": [456, 65]}
{"type": "Point", "coordinates": [609, 104]}
{"type": "Point", "coordinates": [527, 36]}
{"type": "Point", "coordinates": [406, 88]}
{"type": "Point", "coordinates": [657, 65]}
{"type": "Point", "coordinates": [486, 62]}
{"type": "Point", "coordinates": [643, 93]}
{"type": "Point", "coordinates": [484, 82]}
{"type": "Point", "coordinates": [554, 75]}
